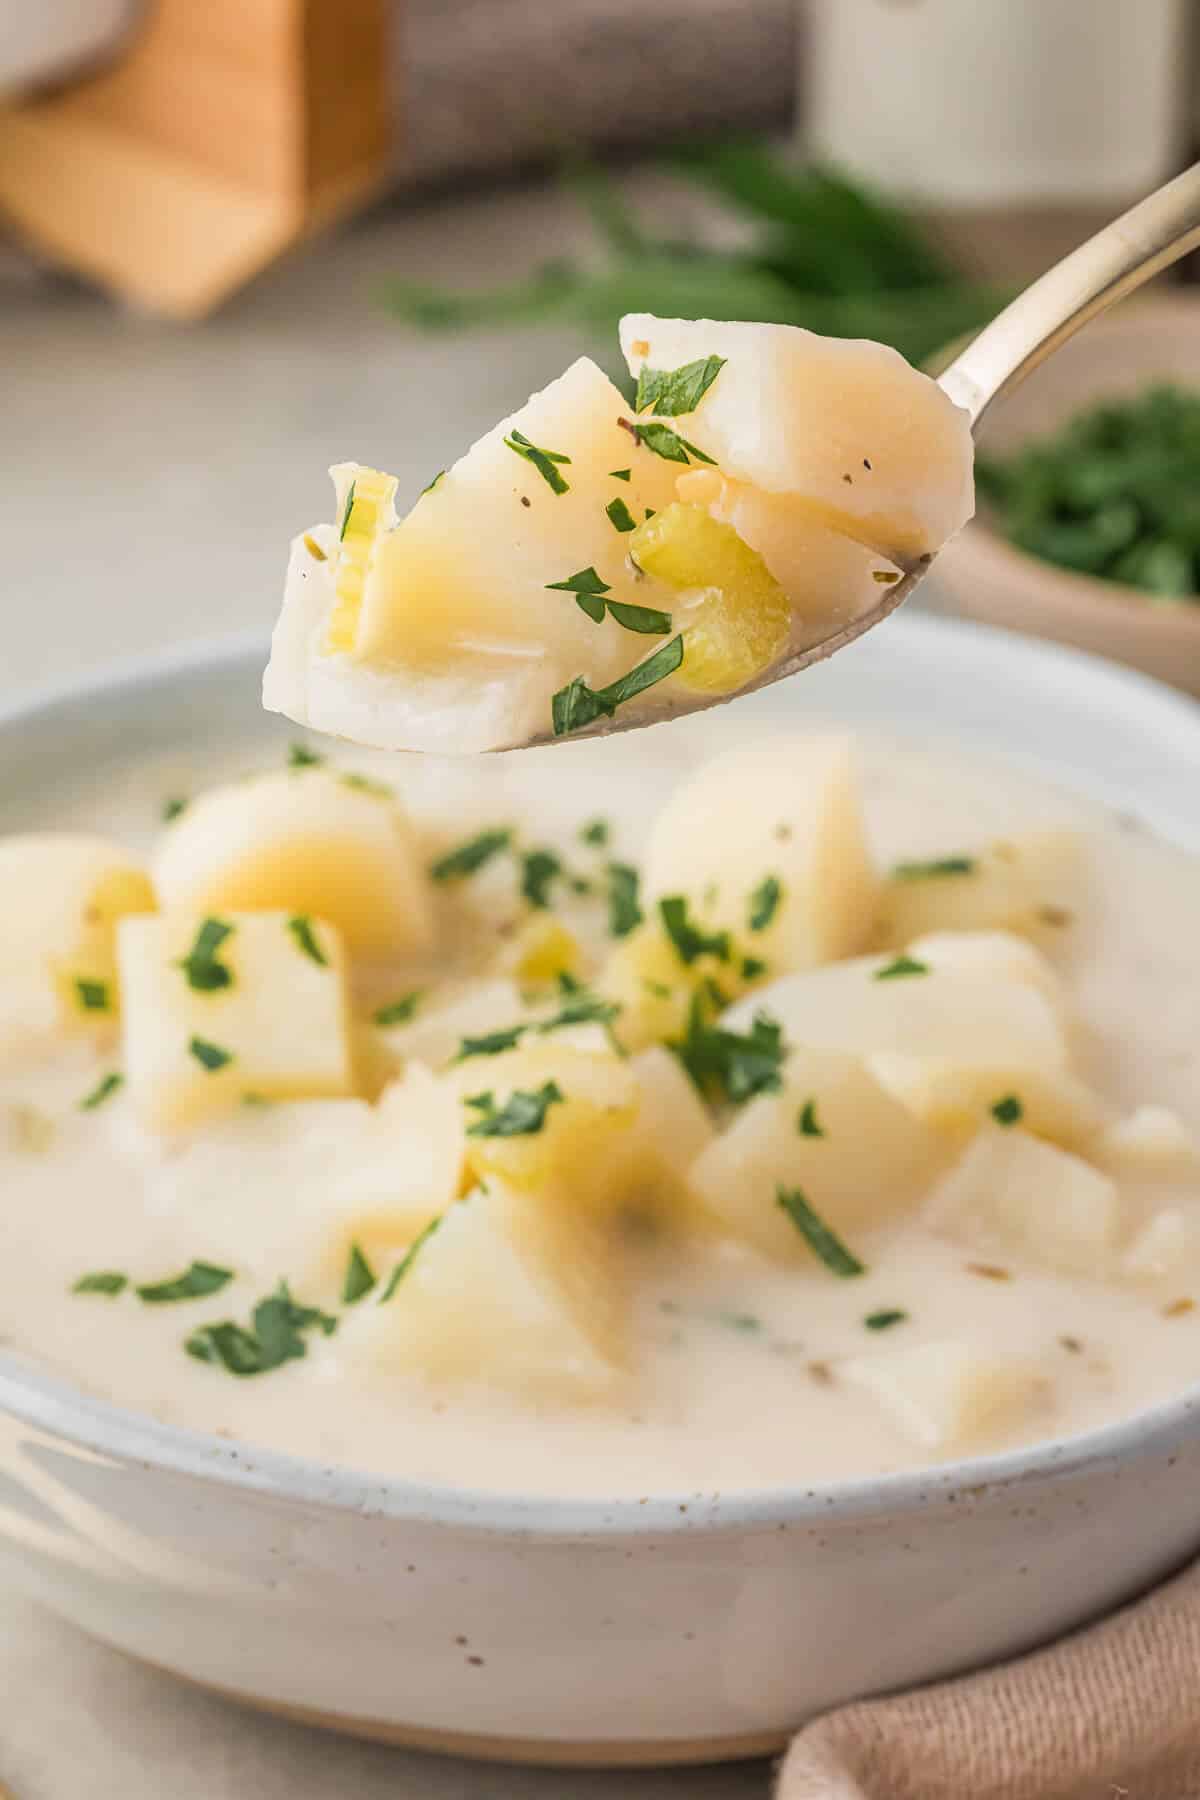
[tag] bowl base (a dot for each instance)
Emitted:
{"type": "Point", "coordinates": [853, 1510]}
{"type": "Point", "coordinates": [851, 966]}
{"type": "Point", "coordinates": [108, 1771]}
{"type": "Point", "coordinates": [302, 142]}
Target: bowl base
{"type": "Point", "coordinates": [561, 1753]}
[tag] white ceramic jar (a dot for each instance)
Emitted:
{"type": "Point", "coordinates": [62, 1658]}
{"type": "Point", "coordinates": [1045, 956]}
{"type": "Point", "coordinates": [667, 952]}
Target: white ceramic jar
{"type": "Point", "coordinates": [978, 103]}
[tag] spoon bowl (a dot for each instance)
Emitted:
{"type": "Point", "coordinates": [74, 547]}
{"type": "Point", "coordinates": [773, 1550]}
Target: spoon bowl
{"type": "Point", "coordinates": [1118, 259]}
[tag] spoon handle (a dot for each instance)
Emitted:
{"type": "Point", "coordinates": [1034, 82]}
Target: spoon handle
{"type": "Point", "coordinates": [1151, 235]}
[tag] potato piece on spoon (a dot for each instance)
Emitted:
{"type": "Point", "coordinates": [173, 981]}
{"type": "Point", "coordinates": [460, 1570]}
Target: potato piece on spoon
{"type": "Point", "coordinates": [589, 563]}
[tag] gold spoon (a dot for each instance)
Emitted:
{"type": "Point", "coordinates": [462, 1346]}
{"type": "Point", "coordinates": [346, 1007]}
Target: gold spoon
{"type": "Point", "coordinates": [1131, 250]}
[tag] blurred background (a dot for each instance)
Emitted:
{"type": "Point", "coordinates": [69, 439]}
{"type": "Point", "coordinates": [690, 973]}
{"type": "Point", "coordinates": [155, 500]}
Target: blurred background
{"type": "Point", "coordinates": [243, 240]}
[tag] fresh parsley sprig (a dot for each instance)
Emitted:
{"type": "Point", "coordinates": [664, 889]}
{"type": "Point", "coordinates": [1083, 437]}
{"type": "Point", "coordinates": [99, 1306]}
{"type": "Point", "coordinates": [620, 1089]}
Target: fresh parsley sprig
{"type": "Point", "coordinates": [275, 1336]}
{"type": "Point", "coordinates": [522, 1115]}
{"type": "Point", "coordinates": [690, 941]}
{"type": "Point", "coordinates": [820, 1237]}
{"type": "Point", "coordinates": [544, 461]}
{"type": "Point", "coordinates": [670, 392]}
{"type": "Point", "coordinates": [202, 969]}
{"type": "Point", "coordinates": [578, 705]}
{"type": "Point", "coordinates": [591, 596]}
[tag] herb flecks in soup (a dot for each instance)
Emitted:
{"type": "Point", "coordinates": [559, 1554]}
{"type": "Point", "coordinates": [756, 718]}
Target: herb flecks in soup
{"type": "Point", "coordinates": [805, 1111]}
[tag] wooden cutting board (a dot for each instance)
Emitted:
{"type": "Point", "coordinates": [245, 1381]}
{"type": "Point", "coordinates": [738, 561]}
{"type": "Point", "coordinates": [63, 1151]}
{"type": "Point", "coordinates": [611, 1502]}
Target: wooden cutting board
{"type": "Point", "coordinates": [223, 133]}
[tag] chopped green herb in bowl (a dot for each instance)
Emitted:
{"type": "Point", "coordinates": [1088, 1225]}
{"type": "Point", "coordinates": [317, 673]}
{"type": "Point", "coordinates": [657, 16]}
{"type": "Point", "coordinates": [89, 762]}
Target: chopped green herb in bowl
{"type": "Point", "coordinates": [1114, 493]}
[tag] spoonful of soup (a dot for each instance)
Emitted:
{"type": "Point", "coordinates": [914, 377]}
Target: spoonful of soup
{"type": "Point", "coordinates": [593, 564]}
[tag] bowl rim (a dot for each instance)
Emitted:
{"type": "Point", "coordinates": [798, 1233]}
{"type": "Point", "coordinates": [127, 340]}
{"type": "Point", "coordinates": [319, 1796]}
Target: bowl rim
{"type": "Point", "coordinates": [981, 538]}
{"type": "Point", "coordinates": [52, 1404]}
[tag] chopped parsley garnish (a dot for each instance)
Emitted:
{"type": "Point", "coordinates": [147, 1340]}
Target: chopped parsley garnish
{"type": "Point", "coordinates": [648, 620]}
{"type": "Point", "coordinates": [348, 511]}
{"type": "Point", "coordinates": [301, 757]}
{"type": "Point", "coordinates": [198, 1279]}
{"type": "Point", "coordinates": [932, 871]}
{"type": "Point", "coordinates": [493, 1044]}
{"type": "Point", "coordinates": [764, 902]}
{"type": "Point", "coordinates": [472, 855]}
{"type": "Point", "coordinates": [620, 516]}
{"type": "Point", "coordinates": [821, 1239]}
{"type": "Point", "coordinates": [731, 1065]}
{"type": "Point", "coordinates": [273, 1338]}
{"type": "Point", "coordinates": [689, 940]}
{"type": "Point", "coordinates": [620, 474]}
{"type": "Point", "coordinates": [578, 705]}
{"type": "Point", "coordinates": [409, 1258]}
{"type": "Point", "coordinates": [624, 912]}
{"type": "Point", "coordinates": [589, 590]}
{"type": "Point", "coordinates": [746, 1323]}
{"type": "Point", "coordinates": [753, 967]}
{"type": "Point", "coordinates": [301, 929]}
{"type": "Point", "coordinates": [806, 1122]}
{"type": "Point", "coordinates": [595, 832]}
{"type": "Point", "coordinates": [104, 1088]}
{"type": "Point", "coordinates": [580, 1007]}
{"type": "Point", "coordinates": [903, 965]}
{"type": "Point", "coordinates": [364, 784]}
{"type": "Point", "coordinates": [209, 1056]}
{"type": "Point", "coordinates": [670, 392]}
{"type": "Point", "coordinates": [359, 1278]}
{"type": "Point", "coordinates": [1008, 1111]}
{"type": "Point", "coordinates": [668, 444]}
{"type": "Point", "coordinates": [523, 1113]}
{"type": "Point", "coordinates": [590, 593]}
{"type": "Point", "coordinates": [172, 807]}
{"type": "Point", "coordinates": [885, 1318]}
{"type": "Point", "coordinates": [102, 1281]}
{"type": "Point", "coordinates": [544, 461]}
{"type": "Point", "coordinates": [398, 1012]}
{"type": "Point", "coordinates": [539, 870]}
{"type": "Point", "coordinates": [200, 966]}
{"type": "Point", "coordinates": [92, 995]}
{"type": "Point", "coordinates": [430, 485]}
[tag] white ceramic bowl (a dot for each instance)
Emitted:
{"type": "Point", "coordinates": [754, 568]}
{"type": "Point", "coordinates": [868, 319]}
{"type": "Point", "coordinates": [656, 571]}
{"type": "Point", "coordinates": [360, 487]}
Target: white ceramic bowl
{"type": "Point", "coordinates": [609, 1631]}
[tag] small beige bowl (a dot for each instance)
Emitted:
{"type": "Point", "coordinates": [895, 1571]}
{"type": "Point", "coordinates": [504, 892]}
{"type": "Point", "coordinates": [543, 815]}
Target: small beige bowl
{"type": "Point", "coordinates": [1146, 341]}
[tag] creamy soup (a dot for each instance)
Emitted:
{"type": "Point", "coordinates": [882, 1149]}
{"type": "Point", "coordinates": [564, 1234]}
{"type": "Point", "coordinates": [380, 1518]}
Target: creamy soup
{"type": "Point", "coordinates": [1006, 1247]}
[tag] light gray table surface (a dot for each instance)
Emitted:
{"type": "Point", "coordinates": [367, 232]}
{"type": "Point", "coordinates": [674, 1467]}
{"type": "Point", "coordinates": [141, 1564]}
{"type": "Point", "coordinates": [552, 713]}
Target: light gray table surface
{"type": "Point", "coordinates": [151, 478]}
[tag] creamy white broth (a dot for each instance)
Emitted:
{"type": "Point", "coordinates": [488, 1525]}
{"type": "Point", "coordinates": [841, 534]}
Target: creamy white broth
{"type": "Point", "coordinates": [736, 1361]}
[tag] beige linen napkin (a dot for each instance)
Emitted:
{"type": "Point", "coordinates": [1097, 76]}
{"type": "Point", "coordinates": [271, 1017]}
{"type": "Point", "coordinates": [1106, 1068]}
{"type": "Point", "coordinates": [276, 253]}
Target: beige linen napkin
{"type": "Point", "coordinates": [1110, 1712]}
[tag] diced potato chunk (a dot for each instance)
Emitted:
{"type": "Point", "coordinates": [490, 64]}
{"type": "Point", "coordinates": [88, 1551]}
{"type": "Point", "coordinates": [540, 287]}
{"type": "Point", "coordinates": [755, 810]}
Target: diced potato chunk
{"type": "Point", "coordinates": [410, 1170]}
{"type": "Point", "coordinates": [1149, 1140]}
{"type": "Point", "coordinates": [277, 1028]}
{"type": "Point", "coordinates": [671, 1129]}
{"type": "Point", "coordinates": [846, 428]}
{"type": "Point", "coordinates": [1028, 884]}
{"type": "Point", "coordinates": [1168, 1245]}
{"type": "Point", "coordinates": [1001, 954]}
{"type": "Point", "coordinates": [61, 896]}
{"type": "Point", "coordinates": [1011, 1192]}
{"type": "Point", "coordinates": [948, 1042]}
{"type": "Point", "coordinates": [541, 951]}
{"type": "Point", "coordinates": [462, 636]}
{"type": "Point", "coordinates": [828, 579]}
{"type": "Point", "coordinates": [290, 1186]}
{"type": "Point", "coordinates": [945, 1394]}
{"type": "Point", "coordinates": [645, 975]}
{"type": "Point", "coordinates": [735, 618]}
{"type": "Point", "coordinates": [435, 1028]}
{"type": "Point", "coordinates": [858, 1156]}
{"type": "Point", "coordinates": [469, 567]}
{"type": "Point", "coordinates": [307, 840]}
{"type": "Point", "coordinates": [503, 1293]}
{"type": "Point", "coordinates": [776, 829]}
{"type": "Point", "coordinates": [580, 1147]}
